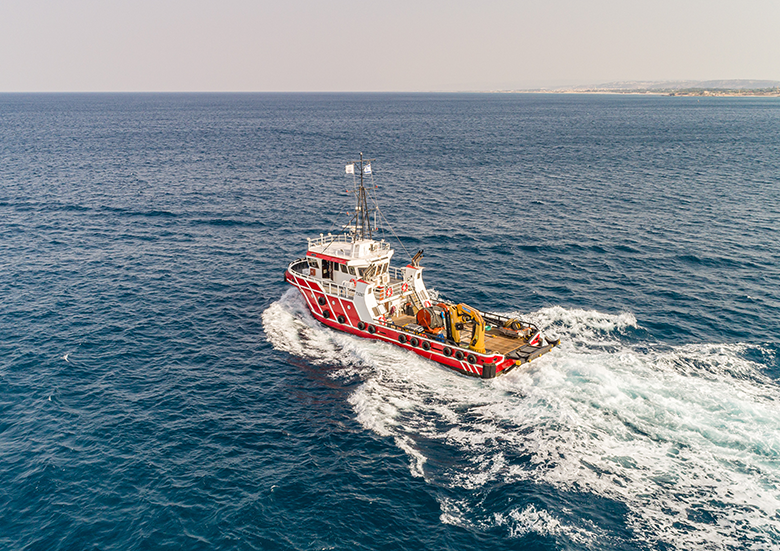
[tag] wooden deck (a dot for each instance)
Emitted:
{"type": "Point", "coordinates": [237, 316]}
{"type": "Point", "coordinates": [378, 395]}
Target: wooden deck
{"type": "Point", "coordinates": [494, 341]}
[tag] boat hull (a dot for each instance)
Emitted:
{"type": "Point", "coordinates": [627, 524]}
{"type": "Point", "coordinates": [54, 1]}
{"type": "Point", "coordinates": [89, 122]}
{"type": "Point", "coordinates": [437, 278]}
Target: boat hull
{"type": "Point", "coordinates": [341, 313]}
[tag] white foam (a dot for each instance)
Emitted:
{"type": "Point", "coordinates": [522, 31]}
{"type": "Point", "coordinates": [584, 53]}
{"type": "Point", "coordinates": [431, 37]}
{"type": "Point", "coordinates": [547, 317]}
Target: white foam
{"type": "Point", "coordinates": [687, 438]}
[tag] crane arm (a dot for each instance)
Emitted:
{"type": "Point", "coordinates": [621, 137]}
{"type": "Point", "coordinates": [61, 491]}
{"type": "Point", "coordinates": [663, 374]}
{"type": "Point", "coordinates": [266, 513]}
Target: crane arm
{"type": "Point", "coordinates": [463, 311]}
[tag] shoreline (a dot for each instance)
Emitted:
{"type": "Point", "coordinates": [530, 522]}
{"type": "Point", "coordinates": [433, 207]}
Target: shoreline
{"type": "Point", "coordinates": [773, 93]}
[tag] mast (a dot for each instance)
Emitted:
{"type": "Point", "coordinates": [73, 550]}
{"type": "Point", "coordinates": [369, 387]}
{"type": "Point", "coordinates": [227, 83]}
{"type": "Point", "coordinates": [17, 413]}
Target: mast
{"type": "Point", "coordinates": [363, 222]}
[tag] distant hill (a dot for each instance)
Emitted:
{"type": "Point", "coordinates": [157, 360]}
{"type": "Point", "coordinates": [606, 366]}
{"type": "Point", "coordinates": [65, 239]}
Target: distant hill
{"type": "Point", "coordinates": [684, 84]}
{"type": "Point", "coordinates": [743, 87]}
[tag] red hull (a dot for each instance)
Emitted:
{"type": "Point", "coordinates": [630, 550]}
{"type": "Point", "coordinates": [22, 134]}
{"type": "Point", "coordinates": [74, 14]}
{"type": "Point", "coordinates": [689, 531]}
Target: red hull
{"type": "Point", "coordinates": [341, 314]}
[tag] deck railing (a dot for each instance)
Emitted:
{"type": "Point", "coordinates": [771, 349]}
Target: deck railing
{"type": "Point", "coordinates": [338, 290]}
{"type": "Point", "coordinates": [397, 290]}
{"type": "Point", "coordinates": [396, 273]}
{"type": "Point", "coordinates": [326, 239]}
{"type": "Point", "coordinates": [323, 240]}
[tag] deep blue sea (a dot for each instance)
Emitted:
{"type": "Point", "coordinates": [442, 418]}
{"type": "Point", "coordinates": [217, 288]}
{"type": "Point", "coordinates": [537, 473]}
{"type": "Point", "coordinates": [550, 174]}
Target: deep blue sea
{"type": "Point", "coordinates": [161, 387]}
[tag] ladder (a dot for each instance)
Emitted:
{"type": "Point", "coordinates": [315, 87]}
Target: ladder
{"type": "Point", "coordinates": [416, 304]}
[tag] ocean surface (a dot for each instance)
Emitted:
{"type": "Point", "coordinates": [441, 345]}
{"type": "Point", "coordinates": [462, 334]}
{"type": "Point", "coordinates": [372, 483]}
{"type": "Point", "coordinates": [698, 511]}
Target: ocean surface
{"type": "Point", "coordinates": [161, 387]}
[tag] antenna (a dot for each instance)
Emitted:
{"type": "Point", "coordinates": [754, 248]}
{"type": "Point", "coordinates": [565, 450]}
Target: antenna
{"type": "Point", "coordinates": [363, 218]}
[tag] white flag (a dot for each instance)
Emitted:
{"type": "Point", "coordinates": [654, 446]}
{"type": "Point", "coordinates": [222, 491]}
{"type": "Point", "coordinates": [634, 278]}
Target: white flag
{"type": "Point", "coordinates": [367, 169]}
{"type": "Point", "coordinates": [351, 169]}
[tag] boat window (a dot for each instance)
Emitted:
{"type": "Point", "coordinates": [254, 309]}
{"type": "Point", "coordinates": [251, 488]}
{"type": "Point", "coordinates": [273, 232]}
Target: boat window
{"type": "Point", "coordinates": [312, 262]}
{"type": "Point", "coordinates": [352, 270]}
{"type": "Point", "coordinates": [384, 268]}
{"type": "Point", "coordinates": [362, 272]}
{"type": "Point", "coordinates": [344, 268]}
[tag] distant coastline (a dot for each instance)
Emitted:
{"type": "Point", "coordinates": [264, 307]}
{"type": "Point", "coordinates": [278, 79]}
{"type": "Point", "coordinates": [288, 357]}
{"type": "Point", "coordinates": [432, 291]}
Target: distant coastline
{"type": "Point", "coordinates": [712, 88]}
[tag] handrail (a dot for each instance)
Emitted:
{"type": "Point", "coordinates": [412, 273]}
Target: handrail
{"type": "Point", "coordinates": [330, 288]}
{"type": "Point", "coordinates": [326, 239]}
{"type": "Point", "coordinates": [397, 290]}
{"type": "Point", "coordinates": [396, 273]}
{"type": "Point", "coordinates": [338, 290]}
{"type": "Point", "coordinates": [343, 238]}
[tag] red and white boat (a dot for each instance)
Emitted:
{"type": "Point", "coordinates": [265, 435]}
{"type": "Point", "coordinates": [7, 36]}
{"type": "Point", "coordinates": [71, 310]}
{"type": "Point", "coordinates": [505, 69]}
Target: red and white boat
{"type": "Point", "coordinates": [349, 285]}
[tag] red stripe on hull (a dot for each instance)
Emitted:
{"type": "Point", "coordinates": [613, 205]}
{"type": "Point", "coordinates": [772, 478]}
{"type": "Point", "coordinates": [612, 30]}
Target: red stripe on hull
{"type": "Point", "coordinates": [312, 292]}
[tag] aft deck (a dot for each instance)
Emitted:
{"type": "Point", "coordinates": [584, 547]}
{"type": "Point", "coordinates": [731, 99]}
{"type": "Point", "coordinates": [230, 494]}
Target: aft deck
{"type": "Point", "coordinates": [495, 342]}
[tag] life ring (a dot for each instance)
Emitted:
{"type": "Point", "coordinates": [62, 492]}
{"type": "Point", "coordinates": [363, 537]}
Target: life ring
{"type": "Point", "coordinates": [388, 292]}
{"type": "Point", "coordinates": [353, 282]}
{"type": "Point", "coordinates": [361, 325]}
{"type": "Point", "coordinates": [427, 303]}
{"type": "Point", "coordinates": [402, 338]}
{"type": "Point", "coordinates": [447, 351]}
{"type": "Point", "coordinates": [371, 329]}
{"type": "Point", "coordinates": [426, 345]}
{"type": "Point", "coordinates": [472, 359]}
{"type": "Point", "coordinates": [415, 341]}
{"type": "Point", "coordinates": [312, 272]}
{"type": "Point", "coordinates": [459, 355]}
{"type": "Point", "coordinates": [404, 287]}
{"type": "Point", "coordinates": [341, 318]}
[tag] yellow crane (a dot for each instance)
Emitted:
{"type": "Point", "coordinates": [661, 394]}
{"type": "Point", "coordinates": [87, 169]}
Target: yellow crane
{"type": "Point", "coordinates": [463, 313]}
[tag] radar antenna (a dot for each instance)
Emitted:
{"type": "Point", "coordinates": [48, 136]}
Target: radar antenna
{"type": "Point", "coordinates": [362, 217]}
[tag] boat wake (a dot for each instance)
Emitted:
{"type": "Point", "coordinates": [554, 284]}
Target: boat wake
{"type": "Point", "coordinates": [682, 443]}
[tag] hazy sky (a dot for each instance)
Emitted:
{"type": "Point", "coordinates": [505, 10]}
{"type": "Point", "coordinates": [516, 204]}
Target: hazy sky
{"type": "Point", "coordinates": [393, 45]}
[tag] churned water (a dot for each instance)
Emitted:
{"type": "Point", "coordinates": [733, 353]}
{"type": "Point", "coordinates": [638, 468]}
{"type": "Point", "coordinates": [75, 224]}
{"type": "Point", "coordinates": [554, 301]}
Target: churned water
{"type": "Point", "coordinates": [162, 388]}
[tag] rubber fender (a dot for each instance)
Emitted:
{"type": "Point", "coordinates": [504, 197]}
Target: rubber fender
{"type": "Point", "coordinates": [488, 370]}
